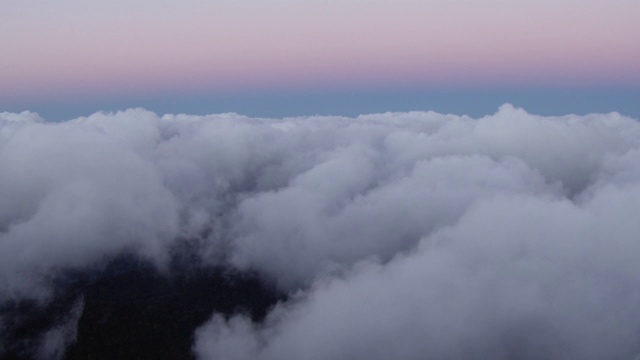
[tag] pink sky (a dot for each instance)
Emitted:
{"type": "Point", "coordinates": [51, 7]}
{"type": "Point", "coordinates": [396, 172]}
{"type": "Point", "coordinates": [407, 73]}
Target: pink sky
{"type": "Point", "coordinates": [66, 47]}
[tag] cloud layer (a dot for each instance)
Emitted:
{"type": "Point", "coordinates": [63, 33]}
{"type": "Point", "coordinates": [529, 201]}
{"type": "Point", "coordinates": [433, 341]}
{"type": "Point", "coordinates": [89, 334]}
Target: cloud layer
{"type": "Point", "coordinates": [397, 235]}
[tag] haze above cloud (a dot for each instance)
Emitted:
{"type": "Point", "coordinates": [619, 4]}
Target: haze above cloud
{"type": "Point", "coordinates": [67, 51]}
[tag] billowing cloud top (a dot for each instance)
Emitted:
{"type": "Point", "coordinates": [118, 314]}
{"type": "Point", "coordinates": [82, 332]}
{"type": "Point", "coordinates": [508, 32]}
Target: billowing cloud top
{"type": "Point", "coordinates": [398, 235]}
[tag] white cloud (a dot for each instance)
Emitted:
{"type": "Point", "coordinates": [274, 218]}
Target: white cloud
{"type": "Point", "coordinates": [518, 277]}
{"type": "Point", "coordinates": [25, 116]}
{"type": "Point", "coordinates": [404, 235]}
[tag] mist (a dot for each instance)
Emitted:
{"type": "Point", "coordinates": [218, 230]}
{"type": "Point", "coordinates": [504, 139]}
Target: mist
{"type": "Point", "coordinates": [394, 235]}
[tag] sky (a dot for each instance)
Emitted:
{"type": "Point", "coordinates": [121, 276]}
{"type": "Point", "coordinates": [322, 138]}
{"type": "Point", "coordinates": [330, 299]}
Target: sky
{"type": "Point", "coordinates": [67, 58]}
